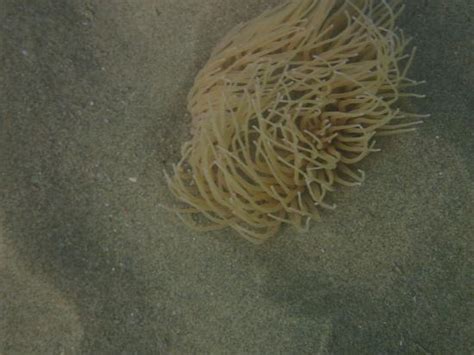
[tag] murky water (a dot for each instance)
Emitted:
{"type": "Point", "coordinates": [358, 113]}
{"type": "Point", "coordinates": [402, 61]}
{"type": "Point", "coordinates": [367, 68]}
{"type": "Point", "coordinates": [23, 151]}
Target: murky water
{"type": "Point", "coordinates": [93, 108]}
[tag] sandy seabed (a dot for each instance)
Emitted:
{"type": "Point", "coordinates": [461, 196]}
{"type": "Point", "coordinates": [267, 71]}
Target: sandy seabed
{"type": "Point", "coordinates": [93, 108]}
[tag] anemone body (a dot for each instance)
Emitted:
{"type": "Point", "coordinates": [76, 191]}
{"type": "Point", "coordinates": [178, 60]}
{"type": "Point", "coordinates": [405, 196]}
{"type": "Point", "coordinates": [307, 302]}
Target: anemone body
{"type": "Point", "coordinates": [285, 108]}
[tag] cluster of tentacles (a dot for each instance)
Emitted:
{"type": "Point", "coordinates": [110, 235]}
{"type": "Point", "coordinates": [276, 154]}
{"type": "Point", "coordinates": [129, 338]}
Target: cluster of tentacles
{"type": "Point", "coordinates": [285, 108]}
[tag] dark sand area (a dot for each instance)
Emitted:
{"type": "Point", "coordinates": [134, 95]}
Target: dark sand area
{"type": "Point", "coordinates": [93, 108]}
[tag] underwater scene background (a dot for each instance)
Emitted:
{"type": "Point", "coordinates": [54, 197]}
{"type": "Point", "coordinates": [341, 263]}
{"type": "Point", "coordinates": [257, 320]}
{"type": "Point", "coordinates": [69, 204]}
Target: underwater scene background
{"type": "Point", "coordinates": [93, 109]}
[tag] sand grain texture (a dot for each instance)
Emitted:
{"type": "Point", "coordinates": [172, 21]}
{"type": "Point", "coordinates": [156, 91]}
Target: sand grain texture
{"type": "Point", "coordinates": [92, 109]}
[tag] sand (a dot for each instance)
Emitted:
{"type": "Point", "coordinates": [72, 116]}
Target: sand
{"type": "Point", "coordinates": [93, 108]}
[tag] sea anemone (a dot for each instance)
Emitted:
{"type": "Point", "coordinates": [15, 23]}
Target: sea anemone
{"type": "Point", "coordinates": [285, 108]}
